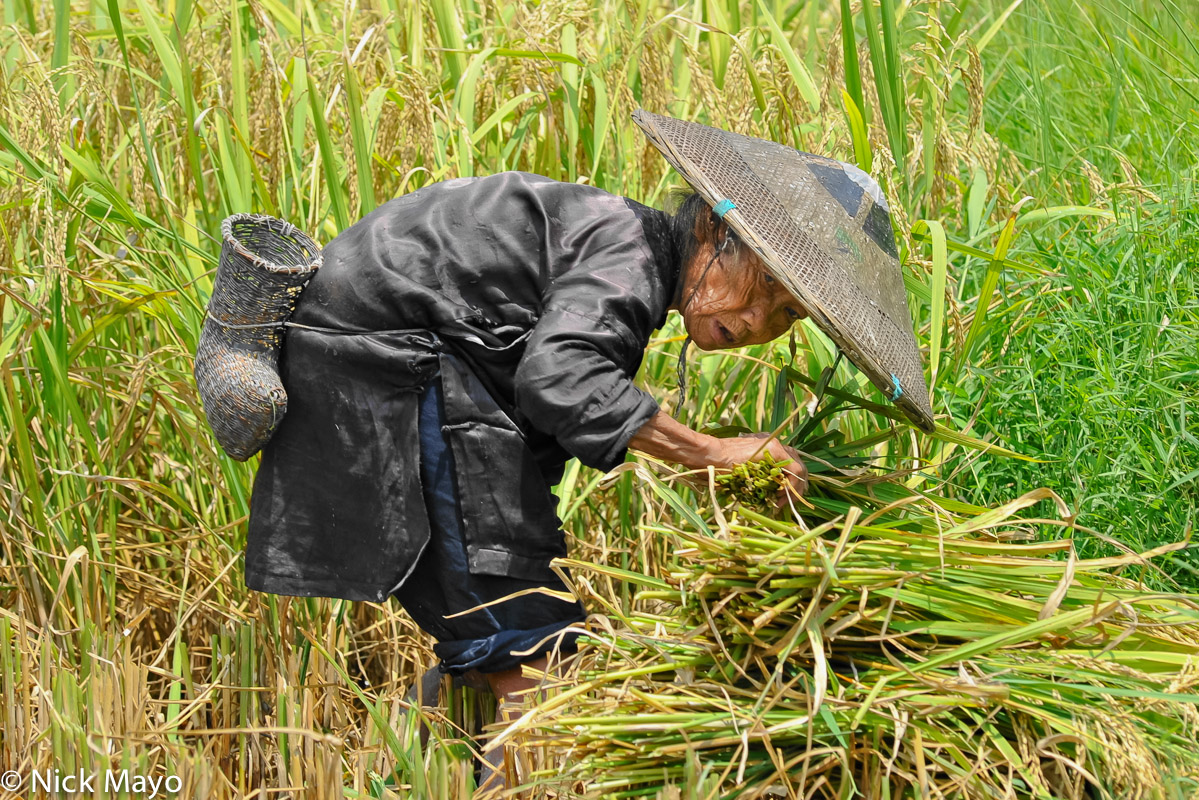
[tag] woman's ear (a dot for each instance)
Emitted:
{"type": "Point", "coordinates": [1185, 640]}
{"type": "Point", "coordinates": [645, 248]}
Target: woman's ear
{"type": "Point", "coordinates": [703, 229]}
{"type": "Point", "coordinates": [726, 240]}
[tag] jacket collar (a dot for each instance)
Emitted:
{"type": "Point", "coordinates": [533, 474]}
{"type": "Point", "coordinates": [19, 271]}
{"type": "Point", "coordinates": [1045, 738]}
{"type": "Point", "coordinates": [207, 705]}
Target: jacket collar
{"type": "Point", "coordinates": [667, 259]}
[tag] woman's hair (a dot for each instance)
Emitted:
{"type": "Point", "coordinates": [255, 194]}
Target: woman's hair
{"type": "Point", "coordinates": [687, 205]}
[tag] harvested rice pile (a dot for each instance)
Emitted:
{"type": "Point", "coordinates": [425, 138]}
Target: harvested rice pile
{"type": "Point", "coordinates": [880, 644]}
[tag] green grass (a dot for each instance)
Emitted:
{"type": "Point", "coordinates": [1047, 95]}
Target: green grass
{"type": "Point", "coordinates": [1100, 377]}
{"type": "Point", "coordinates": [1101, 81]}
{"type": "Point", "coordinates": [1099, 371]}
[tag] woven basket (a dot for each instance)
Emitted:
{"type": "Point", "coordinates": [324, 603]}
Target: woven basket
{"type": "Point", "coordinates": [265, 264]}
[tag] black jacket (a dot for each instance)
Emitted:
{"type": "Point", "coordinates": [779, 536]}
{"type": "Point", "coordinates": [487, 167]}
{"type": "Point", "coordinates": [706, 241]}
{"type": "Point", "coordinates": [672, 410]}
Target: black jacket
{"type": "Point", "coordinates": [535, 299]}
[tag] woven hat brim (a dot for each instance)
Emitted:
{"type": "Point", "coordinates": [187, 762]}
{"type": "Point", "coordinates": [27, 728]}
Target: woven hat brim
{"type": "Point", "coordinates": [786, 211]}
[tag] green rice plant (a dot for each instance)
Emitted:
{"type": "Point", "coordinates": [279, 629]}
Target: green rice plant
{"type": "Point", "coordinates": [1100, 346]}
{"type": "Point", "coordinates": [755, 483]}
{"type": "Point", "coordinates": [1111, 378]}
{"type": "Point", "coordinates": [876, 643]}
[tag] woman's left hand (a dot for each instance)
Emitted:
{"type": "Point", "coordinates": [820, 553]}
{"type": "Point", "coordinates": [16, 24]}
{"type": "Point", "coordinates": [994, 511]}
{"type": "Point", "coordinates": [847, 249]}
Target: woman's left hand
{"type": "Point", "coordinates": [744, 447]}
{"type": "Point", "coordinates": [663, 437]}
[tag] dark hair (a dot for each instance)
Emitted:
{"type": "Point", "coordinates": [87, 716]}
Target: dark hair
{"type": "Point", "coordinates": [687, 206]}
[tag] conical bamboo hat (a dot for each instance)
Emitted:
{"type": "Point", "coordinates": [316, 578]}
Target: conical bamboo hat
{"type": "Point", "coordinates": [823, 229]}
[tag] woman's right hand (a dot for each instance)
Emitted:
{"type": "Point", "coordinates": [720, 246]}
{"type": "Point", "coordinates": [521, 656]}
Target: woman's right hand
{"type": "Point", "coordinates": [663, 437]}
{"type": "Point", "coordinates": [748, 446]}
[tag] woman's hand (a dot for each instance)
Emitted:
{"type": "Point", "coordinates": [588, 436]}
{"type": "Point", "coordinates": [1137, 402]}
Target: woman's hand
{"type": "Point", "coordinates": [666, 438]}
{"type": "Point", "coordinates": [746, 448]}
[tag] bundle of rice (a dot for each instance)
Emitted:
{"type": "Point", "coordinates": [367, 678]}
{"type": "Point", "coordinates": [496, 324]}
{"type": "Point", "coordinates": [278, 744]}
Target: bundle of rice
{"type": "Point", "coordinates": [881, 644]}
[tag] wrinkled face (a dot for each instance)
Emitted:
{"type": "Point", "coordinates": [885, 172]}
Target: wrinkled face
{"type": "Point", "coordinates": [737, 302]}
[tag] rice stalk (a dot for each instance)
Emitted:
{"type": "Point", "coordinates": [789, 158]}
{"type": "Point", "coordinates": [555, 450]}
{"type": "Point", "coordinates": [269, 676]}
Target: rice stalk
{"type": "Point", "coordinates": [894, 647]}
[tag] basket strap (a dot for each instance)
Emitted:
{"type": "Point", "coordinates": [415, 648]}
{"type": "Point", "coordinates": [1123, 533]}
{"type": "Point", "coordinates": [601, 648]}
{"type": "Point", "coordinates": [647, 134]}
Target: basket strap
{"type": "Point", "coordinates": [246, 326]}
{"type": "Point", "coordinates": [252, 325]}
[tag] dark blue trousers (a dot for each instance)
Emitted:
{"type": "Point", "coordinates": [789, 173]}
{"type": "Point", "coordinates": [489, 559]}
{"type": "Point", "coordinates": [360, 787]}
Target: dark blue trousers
{"type": "Point", "coordinates": [441, 583]}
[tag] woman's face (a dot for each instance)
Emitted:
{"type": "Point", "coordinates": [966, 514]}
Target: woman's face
{"type": "Point", "coordinates": [737, 302]}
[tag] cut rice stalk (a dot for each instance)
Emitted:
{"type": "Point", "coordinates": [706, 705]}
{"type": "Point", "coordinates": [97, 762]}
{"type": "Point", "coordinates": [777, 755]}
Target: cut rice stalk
{"type": "Point", "coordinates": [819, 660]}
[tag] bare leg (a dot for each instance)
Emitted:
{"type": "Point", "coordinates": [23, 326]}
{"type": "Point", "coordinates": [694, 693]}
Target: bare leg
{"type": "Point", "coordinates": [506, 687]}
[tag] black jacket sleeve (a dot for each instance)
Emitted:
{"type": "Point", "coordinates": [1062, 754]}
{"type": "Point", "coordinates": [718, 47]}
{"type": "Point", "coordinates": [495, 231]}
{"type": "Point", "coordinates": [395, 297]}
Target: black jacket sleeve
{"type": "Point", "coordinates": [575, 379]}
{"type": "Point", "coordinates": [570, 385]}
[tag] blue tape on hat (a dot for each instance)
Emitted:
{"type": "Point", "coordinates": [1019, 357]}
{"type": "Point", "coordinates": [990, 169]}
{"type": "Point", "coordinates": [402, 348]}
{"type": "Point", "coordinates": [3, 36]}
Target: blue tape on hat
{"type": "Point", "coordinates": [898, 393]}
{"type": "Point", "coordinates": [723, 207]}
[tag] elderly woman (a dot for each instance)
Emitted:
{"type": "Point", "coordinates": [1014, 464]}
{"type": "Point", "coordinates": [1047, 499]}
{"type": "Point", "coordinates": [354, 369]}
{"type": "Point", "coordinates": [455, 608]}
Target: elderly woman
{"type": "Point", "coordinates": [480, 332]}
{"type": "Point", "coordinates": [459, 344]}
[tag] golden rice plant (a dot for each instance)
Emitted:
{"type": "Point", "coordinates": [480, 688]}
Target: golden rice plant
{"type": "Point", "coordinates": [881, 642]}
